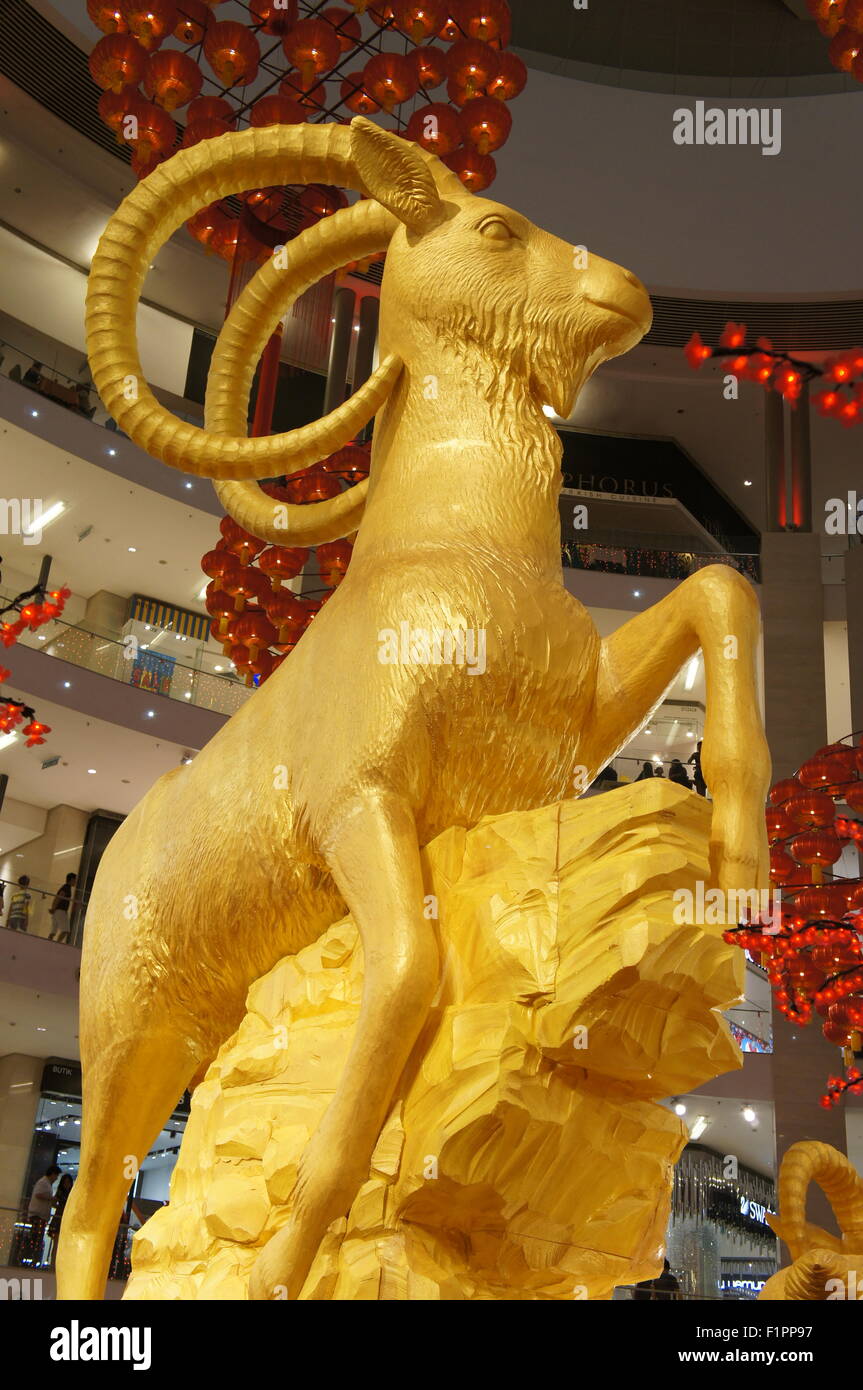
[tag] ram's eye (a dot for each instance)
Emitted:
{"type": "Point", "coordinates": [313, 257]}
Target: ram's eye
{"type": "Point", "coordinates": [496, 230]}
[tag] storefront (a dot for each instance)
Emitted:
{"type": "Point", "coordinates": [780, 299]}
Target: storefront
{"type": "Point", "coordinates": [719, 1242]}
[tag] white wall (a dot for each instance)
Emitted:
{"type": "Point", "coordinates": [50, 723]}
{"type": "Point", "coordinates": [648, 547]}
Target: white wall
{"type": "Point", "coordinates": [47, 293]}
{"type": "Point", "coordinates": [598, 166]}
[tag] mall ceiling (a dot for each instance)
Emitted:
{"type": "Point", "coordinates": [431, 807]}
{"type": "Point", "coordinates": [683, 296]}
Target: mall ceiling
{"type": "Point", "coordinates": [726, 39]}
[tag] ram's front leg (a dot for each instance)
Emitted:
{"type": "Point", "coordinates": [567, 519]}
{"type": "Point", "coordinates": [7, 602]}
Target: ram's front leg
{"type": "Point", "coordinates": [373, 855]}
{"type": "Point", "coordinates": [716, 610]}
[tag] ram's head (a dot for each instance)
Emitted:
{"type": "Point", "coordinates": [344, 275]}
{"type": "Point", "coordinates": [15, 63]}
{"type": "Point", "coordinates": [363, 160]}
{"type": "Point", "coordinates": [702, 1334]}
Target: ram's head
{"type": "Point", "coordinates": [522, 306]}
{"type": "Point", "coordinates": [824, 1266]}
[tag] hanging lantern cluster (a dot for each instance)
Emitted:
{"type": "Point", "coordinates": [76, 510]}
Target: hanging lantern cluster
{"type": "Point", "coordinates": [438, 70]}
{"type": "Point", "coordinates": [842, 22]}
{"type": "Point", "coordinates": [255, 617]}
{"type": "Point", "coordinates": [841, 374]}
{"type": "Point", "coordinates": [29, 611]}
{"type": "Point", "coordinates": [815, 953]}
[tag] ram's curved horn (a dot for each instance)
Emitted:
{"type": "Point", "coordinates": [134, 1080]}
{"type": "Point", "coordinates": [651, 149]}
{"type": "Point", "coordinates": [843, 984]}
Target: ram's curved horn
{"type": "Point", "coordinates": [810, 1161]}
{"type": "Point", "coordinates": [806, 1280]}
{"type": "Point", "coordinates": [145, 220]}
{"type": "Point", "coordinates": [353, 233]}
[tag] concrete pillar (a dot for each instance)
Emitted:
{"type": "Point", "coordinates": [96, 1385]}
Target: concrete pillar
{"type": "Point", "coordinates": [793, 612]}
{"type": "Point", "coordinates": [105, 613]}
{"type": "Point", "coordinates": [366, 344]}
{"type": "Point", "coordinates": [801, 464]}
{"type": "Point", "coordinates": [344, 301]}
{"type": "Point", "coordinates": [20, 1088]}
{"type": "Point", "coordinates": [49, 858]}
{"type": "Point", "coordinates": [774, 461]}
{"type": "Point", "coordinates": [854, 616]}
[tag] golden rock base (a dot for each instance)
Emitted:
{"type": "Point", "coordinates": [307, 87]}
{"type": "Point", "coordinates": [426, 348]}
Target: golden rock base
{"type": "Point", "coordinates": [525, 1156]}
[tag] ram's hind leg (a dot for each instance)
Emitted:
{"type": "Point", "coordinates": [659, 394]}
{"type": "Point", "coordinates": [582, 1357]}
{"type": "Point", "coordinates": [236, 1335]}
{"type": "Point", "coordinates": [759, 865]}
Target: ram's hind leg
{"type": "Point", "coordinates": [374, 858]}
{"type": "Point", "coordinates": [716, 610]}
{"type": "Point", "coordinates": [135, 1069]}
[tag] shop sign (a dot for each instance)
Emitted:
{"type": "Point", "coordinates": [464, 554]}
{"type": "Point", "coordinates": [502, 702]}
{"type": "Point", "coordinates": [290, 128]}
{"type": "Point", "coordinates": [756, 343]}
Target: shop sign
{"type": "Point", "coordinates": [756, 1211]}
{"type": "Point", "coordinates": [62, 1078]}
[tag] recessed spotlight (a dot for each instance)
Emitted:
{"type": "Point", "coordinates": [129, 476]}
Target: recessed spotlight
{"type": "Point", "coordinates": [218, 668]}
{"type": "Point", "coordinates": [151, 714]}
{"type": "Point", "coordinates": [680, 1108]}
{"type": "Point", "coordinates": [41, 638]}
{"type": "Point", "coordinates": [636, 593]}
{"type": "Point", "coordinates": [92, 771]}
{"type": "Point", "coordinates": [41, 1030]}
{"type": "Point", "coordinates": [690, 734]}
{"type": "Point", "coordinates": [67, 685]}
{"type": "Point", "coordinates": [188, 485]}
{"type": "Point", "coordinates": [133, 550]}
{"type": "Point", "coordinates": [188, 695]}
{"type": "Point", "coordinates": [747, 482]}
{"type": "Point", "coordinates": [34, 413]}
{"type": "Point", "coordinates": [112, 452]}
{"type": "Point", "coordinates": [749, 1114]}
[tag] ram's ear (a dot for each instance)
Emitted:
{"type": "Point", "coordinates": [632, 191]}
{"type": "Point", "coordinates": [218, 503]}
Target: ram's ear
{"type": "Point", "coordinates": [396, 175]}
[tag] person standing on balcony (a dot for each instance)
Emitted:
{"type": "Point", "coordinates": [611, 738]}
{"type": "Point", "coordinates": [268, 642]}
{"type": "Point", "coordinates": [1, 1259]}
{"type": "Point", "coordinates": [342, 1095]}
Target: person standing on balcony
{"type": "Point", "coordinates": [646, 771]}
{"type": "Point", "coordinates": [19, 906]}
{"type": "Point", "coordinates": [697, 774]}
{"type": "Point", "coordinates": [59, 910]}
{"type": "Point", "coordinates": [677, 773]}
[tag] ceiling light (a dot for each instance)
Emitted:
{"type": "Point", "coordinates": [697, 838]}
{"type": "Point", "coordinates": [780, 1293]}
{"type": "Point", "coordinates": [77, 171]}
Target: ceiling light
{"type": "Point", "coordinates": [188, 485]}
{"type": "Point", "coordinates": [698, 1128]}
{"type": "Point", "coordinates": [112, 452]}
{"type": "Point", "coordinates": [34, 413]}
{"type": "Point", "coordinates": [691, 674]}
{"type": "Point", "coordinates": [41, 1030]}
{"type": "Point", "coordinates": [690, 734]}
{"type": "Point", "coordinates": [749, 1114]}
{"type": "Point", "coordinates": [5, 740]}
{"type": "Point", "coordinates": [679, 1108]}
{"type": "Point", "coordinates": [91, 770]}
{"type": "Point", "coordinates": [67, 685]}
{"type": "Point", "coordinates": [747, 482]}
{"type": "Point", "coordinates": [44, 519]}
{"type": "Point", "coordinates": [656, 758]}
{"type": "Point", "coordinates": [151, 714]}
{"type": "Point", "coordinates": [188, 695]}
{"type": "Point", "coordinates": [41, 638]}
{"type": "Point", "coordinates": [133, 550]}
{"type": "Point", "coordinates": [549, 412]}
{"type": "Point", "coordinates": [218, 668]}
{"type": "Point", "coordinates": [636, 593]}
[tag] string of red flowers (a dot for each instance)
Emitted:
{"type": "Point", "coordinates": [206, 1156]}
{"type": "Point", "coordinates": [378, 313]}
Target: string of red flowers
{"type": "Point", "coordinates": [841, 373]}
{"type": "Point", "coordinates": [34, 607]}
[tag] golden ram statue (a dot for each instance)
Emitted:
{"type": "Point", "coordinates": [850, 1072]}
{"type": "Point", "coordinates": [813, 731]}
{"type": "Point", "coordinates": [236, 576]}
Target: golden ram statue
{"type": "Point", "coordinates": [319, 794]}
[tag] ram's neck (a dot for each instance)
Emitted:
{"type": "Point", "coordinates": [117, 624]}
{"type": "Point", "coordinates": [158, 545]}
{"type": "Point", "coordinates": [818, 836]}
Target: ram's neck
{"type": "Point", "coordinates": [463, 459]}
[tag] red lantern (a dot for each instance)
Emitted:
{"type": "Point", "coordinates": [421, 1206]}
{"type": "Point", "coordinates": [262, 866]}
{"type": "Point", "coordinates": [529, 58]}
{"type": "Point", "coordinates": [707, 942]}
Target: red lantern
{"type": "Point", "coordinates": [107, 16]}
{"type": "Point", "coordinates": [152, 133]}
{"type": "Point", "coordinates": [313, 47]}
{"type": "Point", "coordinates": [312, 486]}
{"type": "Point", "coordinates": [287, 613]}
{"type": "Point", "coordinates": [853, 795]}
{"type": "Point", "coordinates": [333, 560]}
{"type": "Point", "coordinates": [429, 65]}
{"type": "Point", "coordinates": [436, 128]}
{"type": "Point", "coordinates": [150, 21]}
{"type": "Point", "coordinates": [117, 61]}
{"type": "Point", "coordinates": [203, 129]}
{"type": "Point", "coordinates": [114, 107]}
{"type": "Point", "coordinates": [390, 79]}
{"type": "Point", "coordinates": [212, 109]}
{"type": "Point", "coordinates": [321, 201]}
{"type": "Point", "coordinates": [419, 19]}
{"type": "Point", "coordinates": [274, 18]}
{"type": "Point", "coordinates": [853, 16]}
{"type": "Point", "coordinates": [829, 15]}
{"type": "Point", "coordinates": [382, 14]}
{"type": "Point", "coordinates": [476, 171]}
{"type": "Point", "coordinates": [782, 868]}
{"type": "Point", "coordinates": [172, 79]}
{"type": "Point", "coordinates": [217, 563]}
{"type": "Point", "coordinates": [451, 31]}
{"type": "Point", "coordinates": [844, 48]}
{"type": "Point", "coordinates": [485, 124]}
{"type": "Point", "coordinates": [816, 847]}
{"type": "Point", "coordinates": [244, 545]}
{"type": "Point", "coordinates": [355, 96]}
{"type": "Point", "coordinates": [510, 78]}
{"type": "Point", "coordinates": [826, 901]}
{"type": "Point", "coordinates": [811, 808]}
{"type": "Point", "coordinates": [830, 767]}
{"type": "Point", "coordinates": [246, 585]}
{"type": "Point", "coordinates": [280, 562]}
{"type": "Point", "coordinates": [221, 607]}
{"type": "Point", "coordinates": [193, 21]}
{"type": "Point", "coordinates": [255, 631]}
{"type": "Point", "coordinates": [232, 52]}
{"type": "Point", "coordinates": [783, 790]}
{"type": "Point", "coordinates": [472, 65]}
{"type": "Point", "coordinates": [779, 825]}
{"type": "Point", "coordinates": [351, 463]}
{"type": "Point", "coordinates": [488, 20]}
{"type": "Point", "coordinates": [276, 110]}
{"type": "Point", "coordinates": [346, 25]}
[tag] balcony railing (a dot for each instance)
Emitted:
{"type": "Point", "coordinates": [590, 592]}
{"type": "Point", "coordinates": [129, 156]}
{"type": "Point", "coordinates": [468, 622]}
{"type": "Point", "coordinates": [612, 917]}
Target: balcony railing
{"type": "Point", "coordinates": [647, 563]}
{"type": "Point", "coordinates": [131, 663]}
